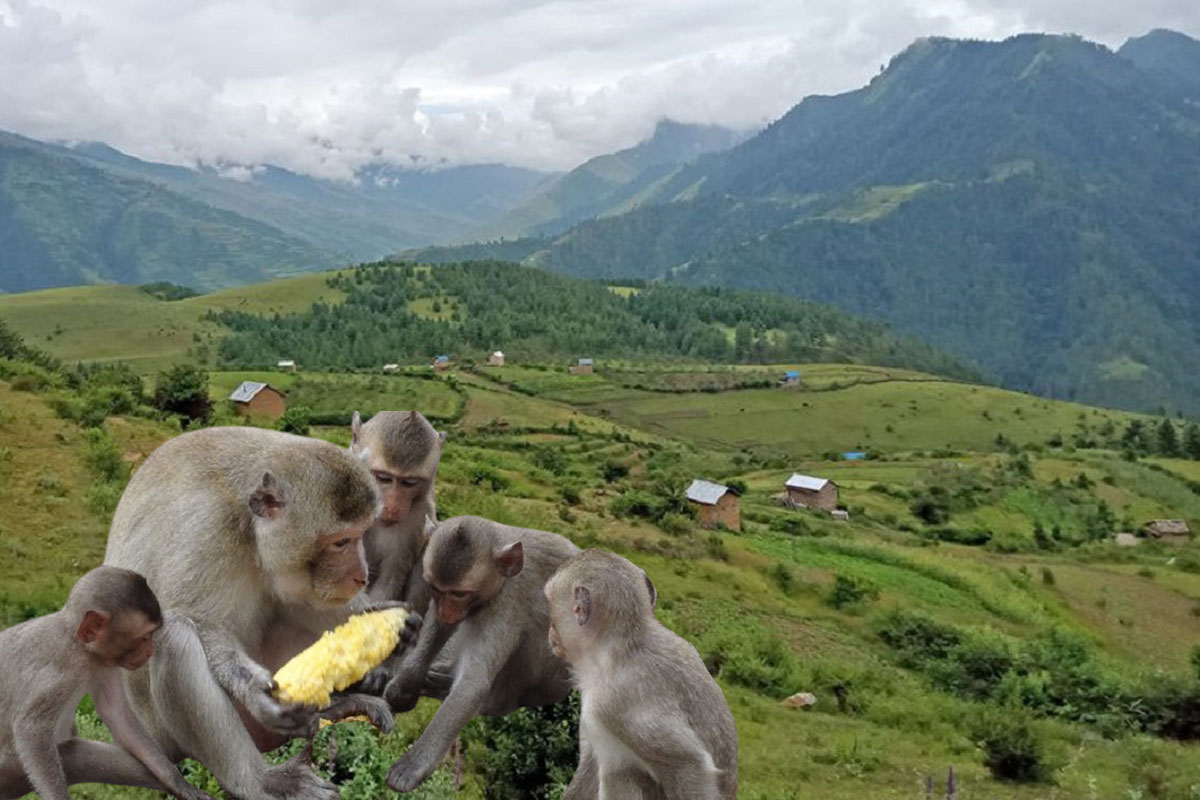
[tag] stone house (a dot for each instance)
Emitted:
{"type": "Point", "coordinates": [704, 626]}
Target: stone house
{"type": "Point", "coordinates": [715, 505]}
{"type": "Point", "coordinates": [585, 366]}
{"type": "Point", "coordinates": [391, 368]}
{"type": "Point", "coordinates": [440, 363]}
{"type": "Point", "coordinates": [805, 491]}
{"type": "Point", "coordinates": [253, 399]}
{"type": "Point", "coordinates": [496, 359]}
{"type": "Point", "coordinates": [286, 365]}
{"type": "Point", "coordinates": [1167, 530]}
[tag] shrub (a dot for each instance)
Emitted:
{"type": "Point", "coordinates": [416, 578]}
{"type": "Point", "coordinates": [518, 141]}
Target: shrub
{"type": "Point", "coordinates": [849, 591]}
{"type": "Point", "coordinates": [183, 390]}
{"type": "Point", "coordinates": [528, 753]}
{"type": "Point", "coordinates": [296, 420]}
{"type": "Point", "coordinates": [1047, 576]}
{"type": "Point", "coordinates": [103, 457]}
{"type": "Point", "coordinates": [637, 503]}
{"type": "Point", "coordinates": [1013, 749]}
{"type": "Point", "coordinates": [752, 656]}
{"type": "Point", "coordinates": [675, 524]}
{"type": "Point", "coordinates": [714, 546]}
{"type": "Point", "coordinates": [614, 471]}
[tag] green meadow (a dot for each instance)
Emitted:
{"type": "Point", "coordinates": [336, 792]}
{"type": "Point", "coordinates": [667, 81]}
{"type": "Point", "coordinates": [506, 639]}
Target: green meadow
{"type": "Point", "coordinates": [972, 614]}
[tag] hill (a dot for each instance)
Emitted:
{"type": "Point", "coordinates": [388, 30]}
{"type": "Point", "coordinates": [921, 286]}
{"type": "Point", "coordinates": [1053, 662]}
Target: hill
{"type": "Point", "coordinates": [1027, 205]}
{"type": "Point", "coordinates": [614, 183]}
{"type": "Point", "coordinates": [971, 613]}
{"type": "Point", "coordinates": [90, 214]}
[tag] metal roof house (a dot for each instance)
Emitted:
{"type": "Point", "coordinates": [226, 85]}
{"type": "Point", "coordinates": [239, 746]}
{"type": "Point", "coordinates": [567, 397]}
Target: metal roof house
{"type": "Point", "coordinates": [584, 366]}
{"type": "Point", "coordinates": [807, 491]}
{"type": "Point", "coordinates": [715, 504]}
{"type": "Point", "coordinates": [286, 364]}
{"type": "Point", "coordinates": [790, 378]}
{"type": "Point", "coordinates": [252, 398]}
{"type": "Point", "coordinates": [440, 363]}
{"type": "Point", "coordinates": [496, 359]}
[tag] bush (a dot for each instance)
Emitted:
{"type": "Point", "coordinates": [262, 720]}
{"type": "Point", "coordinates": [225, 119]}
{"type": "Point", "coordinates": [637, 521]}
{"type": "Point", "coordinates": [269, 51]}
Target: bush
{"type": "Point", "coordinates": [614, 471]}
{"type": "Point", "coordinates": [675, 524]}
{"type": "Point", "coordinates": [850, 591]}
{"type": "Point", "coordinates": [528, 753]}
{"type": "Point", "coordinates": [103, 457]}
{"type": "Point", "coordinates": [749, 655]}
{"type": "Point", "coordinates": [183, 390]}
{"type": "Point", "coordinates": [296, 420]}
{"type": "Point", "coordinates": [1013, 749]}
{"type": "Point", "coordinates": [637, 503]}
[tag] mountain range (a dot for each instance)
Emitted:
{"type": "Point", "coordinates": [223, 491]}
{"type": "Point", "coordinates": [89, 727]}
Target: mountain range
{"type": "Point", "coordinates": [1030, 205]}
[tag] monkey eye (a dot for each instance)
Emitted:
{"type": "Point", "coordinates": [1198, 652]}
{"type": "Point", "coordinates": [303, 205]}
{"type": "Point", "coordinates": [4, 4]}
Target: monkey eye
{"type": "Point", "coordinates": [340, 543]}
{"type": "Point", "coordinates": [410, 483]}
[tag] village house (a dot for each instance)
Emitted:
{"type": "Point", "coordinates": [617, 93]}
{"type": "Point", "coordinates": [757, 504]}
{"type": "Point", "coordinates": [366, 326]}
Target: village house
{"type": "Point", "coordinates": [790, 378]}
{"type": "Point", "coordinates": [286, 365]}
{"type": "Point", "coordinates": [1175, 531]}
{"type": "Point", "coordinates": [715, 505]}
{"type": "Point", "coordinates": [391, 368]}
{"type": "Point", "coordinates": [253, 399]}
{"type": "Point", "coordinates": [496, 359]}
{"type": "Point", "coordinates": [440, 363]}
{"type": "Point", "coordinates": [585, 366]}
{"type": "Point", "coordinates": [805, 491]}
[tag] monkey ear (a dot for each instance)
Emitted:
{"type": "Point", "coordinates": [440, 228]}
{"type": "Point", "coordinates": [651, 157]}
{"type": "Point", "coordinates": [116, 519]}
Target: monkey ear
{"type": "Point", "coordinates": [582, 608]}
{"type": "Point", "coordinates": [267, 500]}
{"type": "Point", "coordinates": [650, 588]}
{"type": "Point", "coordinates": [355, 430]}
{"type": "Point", "coordinates": [510, 559]}
{"type": "Point", "coordinates": [93, 623]}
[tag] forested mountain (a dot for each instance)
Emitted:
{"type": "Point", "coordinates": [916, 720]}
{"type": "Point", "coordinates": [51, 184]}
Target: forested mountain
{"type": "Point", "coordinates": [614, 183]}
{"type": "Point", "coordinates": [398, 312]}
{"type": "Point", "coordinates": [1031, 205]}
{"type": "Point", "coordinates": [89, 213]}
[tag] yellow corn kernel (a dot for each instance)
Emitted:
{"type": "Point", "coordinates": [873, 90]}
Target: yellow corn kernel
{"type": "Point", "coordinates": [325, 723]}
{"type": "Point", "coordinates": [340, 657]}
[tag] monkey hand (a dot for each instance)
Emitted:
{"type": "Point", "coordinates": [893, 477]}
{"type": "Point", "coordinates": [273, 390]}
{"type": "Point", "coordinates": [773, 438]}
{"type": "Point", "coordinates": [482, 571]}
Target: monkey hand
{"type": "Point", "coordinates": [401, 694]}
{"type": "Point", "coordinates": [375, 681]}
{"type": "Point", "coordinates": [411, 770]}
{"type": "Point", "coordinates": [412, 622]}
{"type": "Point", "coordinates": [289, 719]}
{"type": "Point", "coordinates": [351, 705]}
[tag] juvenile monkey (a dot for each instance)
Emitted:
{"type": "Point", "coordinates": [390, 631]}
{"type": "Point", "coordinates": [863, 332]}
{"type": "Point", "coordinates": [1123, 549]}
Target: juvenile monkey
{"type": "Point", "coordinates": [254, 538]}
{"type": "Point", "coordinates": [401, 450]}
{"type": "Point", "coordinates": [653, 723]}
{"type": "Point", "coordinates": [484, 648]}
{"type": "Point", "coordinates": [107, 625]}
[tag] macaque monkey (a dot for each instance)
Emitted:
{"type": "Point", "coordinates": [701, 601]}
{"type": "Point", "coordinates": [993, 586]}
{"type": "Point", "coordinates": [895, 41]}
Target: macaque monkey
{"type": "Point", "coordinates": [254, 538]}
{"type": "Point", "coordinates": [107, 625]}
{"type": "Point", "coordinates": [401, 450]}
{"type": "Point", "coordinates": [483, 649]}
{"type": "Point", "coordinates": [653, 724]}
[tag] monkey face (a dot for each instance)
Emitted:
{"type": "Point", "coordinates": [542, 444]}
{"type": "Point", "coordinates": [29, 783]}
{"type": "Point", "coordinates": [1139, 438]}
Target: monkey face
{"type": "Point", "coordinates": [125, 641]}
{"type": "Point", "coordinates": [453, 605]}
{"type": "Point", "coordinates": [398, 492]}
{"type": "Point", "coordinates": [338, 571]}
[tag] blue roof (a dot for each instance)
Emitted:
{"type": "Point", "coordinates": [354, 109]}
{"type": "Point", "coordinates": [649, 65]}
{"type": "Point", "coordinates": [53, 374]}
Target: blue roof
{"type": "Point", "coordinates": [442, 358]}
{"type": "Point", "coordinates": [854, 455]}
{"type": "Point", "coordinates": [791, 373]}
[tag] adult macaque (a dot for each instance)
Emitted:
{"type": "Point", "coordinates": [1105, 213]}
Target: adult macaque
{"type": "Point", "coordinates": [402, 451]}
{"type": "Point", "coordinates": [653, 723]}
{"type": "Point", "coordinates": [254, 538]}
{"type": "Point", "coordinates": [484, 650]}
{"type": "Point", "coordinates": [107, 625]}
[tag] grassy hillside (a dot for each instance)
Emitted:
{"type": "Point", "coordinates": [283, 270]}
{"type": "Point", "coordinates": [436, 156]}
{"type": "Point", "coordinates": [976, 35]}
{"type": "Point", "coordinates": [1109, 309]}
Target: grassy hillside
{"type": "Point", "coordinates": [972, 607]}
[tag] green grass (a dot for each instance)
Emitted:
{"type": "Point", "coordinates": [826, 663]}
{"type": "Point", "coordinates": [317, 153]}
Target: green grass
{"type": "Point", "coordinates": [106, 323]}
{"type": "Point", "coordinates": [898, 415]}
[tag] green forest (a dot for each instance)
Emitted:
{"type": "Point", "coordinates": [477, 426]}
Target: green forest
{"type": "Point", "coordinates": [396, 312]}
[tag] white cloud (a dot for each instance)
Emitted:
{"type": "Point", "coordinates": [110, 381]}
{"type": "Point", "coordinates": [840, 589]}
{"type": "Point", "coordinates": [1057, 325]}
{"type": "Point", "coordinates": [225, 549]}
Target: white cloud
{"type": "Point", "coordinates": [325, 87]}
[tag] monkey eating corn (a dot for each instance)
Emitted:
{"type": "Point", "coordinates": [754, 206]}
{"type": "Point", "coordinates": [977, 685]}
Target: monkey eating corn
{"type": "Point", "coordinates": [341, 657]}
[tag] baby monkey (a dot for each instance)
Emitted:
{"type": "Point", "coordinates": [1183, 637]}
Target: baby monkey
{"type": "Point", "coordinates": [47, 665]}
{"type": "Point", "coordinates": [653, 723]}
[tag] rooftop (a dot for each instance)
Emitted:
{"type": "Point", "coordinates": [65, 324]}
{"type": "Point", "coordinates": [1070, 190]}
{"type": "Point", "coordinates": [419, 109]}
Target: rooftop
{"type": "Point", "coordinates": [706, 492]}
{"type": "Point", "coordinates": [798, 481]}
{"type": "Point", "coordinates": [246, 391]}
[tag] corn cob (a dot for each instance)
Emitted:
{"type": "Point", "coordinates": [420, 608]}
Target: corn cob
{"type": "Point", "coordinates": [340, 657]}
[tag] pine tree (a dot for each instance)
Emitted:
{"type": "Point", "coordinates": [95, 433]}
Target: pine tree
{"type": "Point", "coordinates": [1168, 441]}
{"type": "Point", "coordinates": [1191, 441]}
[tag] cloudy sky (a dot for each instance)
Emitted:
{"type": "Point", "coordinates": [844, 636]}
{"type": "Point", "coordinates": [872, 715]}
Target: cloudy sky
{"type": "Point", "coordinates": [324, 86]}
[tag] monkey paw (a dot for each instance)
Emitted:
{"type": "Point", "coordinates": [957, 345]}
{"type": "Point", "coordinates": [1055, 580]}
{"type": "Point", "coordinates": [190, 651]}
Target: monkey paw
{"type": "Point", "coordinates": [400, 697]}
{"type": "Point", "coordinates": [289, 719]}
{"type": "Point", "coordinates": [409, 772]}
{"type": "Point", "coordinates": [295, 780]}
{"type": "Point", "coordinates": [352, 705]}
{"type": "Point", "coordinates": [375, 681]}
